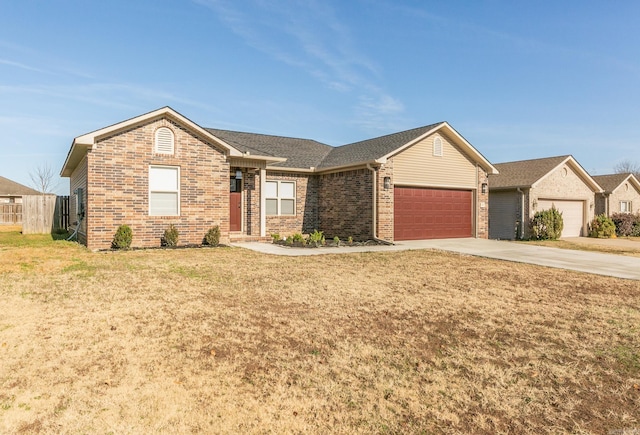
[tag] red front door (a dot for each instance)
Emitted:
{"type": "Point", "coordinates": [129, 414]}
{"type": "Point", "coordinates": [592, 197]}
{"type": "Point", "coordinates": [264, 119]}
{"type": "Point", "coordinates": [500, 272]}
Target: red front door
{"type": "Point", "coordinates": [235, 211]}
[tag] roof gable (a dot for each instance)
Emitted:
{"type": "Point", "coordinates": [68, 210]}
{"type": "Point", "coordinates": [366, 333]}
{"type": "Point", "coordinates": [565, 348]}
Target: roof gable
{"type": "Point", "coordinates": [380, 149]}
{"type": "Point", "coordinates": [11, 188]}
{"type": "Point", "coordinates": [611, 182]}
{"type": "Point", "coordinates": [82, 144]}
{"type": "Point", "coordinates": [528, 173]}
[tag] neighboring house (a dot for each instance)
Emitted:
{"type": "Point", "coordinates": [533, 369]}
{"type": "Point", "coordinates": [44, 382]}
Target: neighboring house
{"type": "Point", "coordinates": [525, 187]}
{"type": "Point", "coordinates": [621, 194]}
{"type": "Point", "coordinates": [12, 192]}
{"type": "Point", "coordinates": [160, 168]}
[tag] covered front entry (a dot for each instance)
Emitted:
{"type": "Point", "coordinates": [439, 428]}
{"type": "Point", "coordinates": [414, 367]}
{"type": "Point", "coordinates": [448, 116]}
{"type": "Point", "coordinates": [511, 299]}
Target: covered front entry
{"type": "Point", "coordinates": [572, 215]}
{"type": "Point", "coordinates": [423, 213]}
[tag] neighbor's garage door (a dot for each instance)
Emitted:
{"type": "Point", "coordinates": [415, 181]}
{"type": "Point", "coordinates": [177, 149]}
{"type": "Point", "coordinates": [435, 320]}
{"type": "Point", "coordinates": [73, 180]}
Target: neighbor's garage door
{"type": "Point", "coordinates": [572, 215]}
{"type": "Point", "coordinates": [421, 213]}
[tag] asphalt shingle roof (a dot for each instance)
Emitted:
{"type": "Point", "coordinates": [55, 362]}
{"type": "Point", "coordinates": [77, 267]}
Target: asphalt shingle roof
{"type": "Point", "coordinates": [611, 181]}
{"type": "Point", "coordinates": [300, 153]}
{"type": "Point", "coordinates": [523, 173]}
{"type": "Point", "coordinates": [371, 149]}
{"type": "Point", "coordinates": [11, 188]}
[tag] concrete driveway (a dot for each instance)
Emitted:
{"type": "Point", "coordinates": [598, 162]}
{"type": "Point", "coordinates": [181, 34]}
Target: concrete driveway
{"type": "Point", "coordinates": [618, 266]}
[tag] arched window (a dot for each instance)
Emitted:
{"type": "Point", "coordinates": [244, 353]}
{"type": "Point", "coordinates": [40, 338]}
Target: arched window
{"type": "Point", "coordinates": [164, 143]}
{"type": "Point", "coordinates": [437, 147]}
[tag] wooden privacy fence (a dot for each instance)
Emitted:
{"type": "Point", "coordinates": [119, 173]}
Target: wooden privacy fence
{"type": "Point", "coordinates": [38, 214]}
{"type": "Point", "coordinates": [10, 214]}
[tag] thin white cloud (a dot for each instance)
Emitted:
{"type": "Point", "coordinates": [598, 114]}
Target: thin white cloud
{"type": "Point", "coordinates": [309, 36]}
{"type": "Point", "coordinates": [114, 95]}
{"type": "Point", "coordinates": [20, 65]}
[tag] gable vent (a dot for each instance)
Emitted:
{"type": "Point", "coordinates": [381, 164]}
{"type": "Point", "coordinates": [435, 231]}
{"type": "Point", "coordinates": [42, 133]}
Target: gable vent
{"type": "Point", "coordinates": [164, 141]}
{"type": "Point", "coordinates": [437, 147]}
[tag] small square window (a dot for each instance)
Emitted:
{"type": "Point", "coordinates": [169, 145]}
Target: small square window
{"type": "Point", "coordinates": [280, 198]}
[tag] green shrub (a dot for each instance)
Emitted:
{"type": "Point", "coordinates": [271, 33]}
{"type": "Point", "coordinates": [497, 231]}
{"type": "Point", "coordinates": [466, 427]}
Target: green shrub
{"type": "Point", "coordinates": [627, 224]}
{"type": "Point", "coordinates": [122, 238]}
{"type": "Point", "coordinates": [336, 241]}
{"type": "Point", "coordinates": [212, 238]}
{"type": "Point", "coordinates": [602, 227]}
{"type": "Point", "coordinates": [171, 236]}
{"type": "Point", "coordinates": [275, 237]}
{"type": "Point", "coordinates": [316, 238]}
{"type": "Point", "coordinates": [547, 224]}
{"type": "Point", "coordinates": [297, 237]}
{"type": "Point", "coordinates": [350, 240]}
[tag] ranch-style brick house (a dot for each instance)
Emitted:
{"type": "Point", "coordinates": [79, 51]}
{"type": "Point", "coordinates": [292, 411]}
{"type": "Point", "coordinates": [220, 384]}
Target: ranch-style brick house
{"type": "Point", "coordinates": [161, 168]}
{"type": "Point", "coordinates": [621, 194]}
{"type": "Point", "coordinates": [525, 187]}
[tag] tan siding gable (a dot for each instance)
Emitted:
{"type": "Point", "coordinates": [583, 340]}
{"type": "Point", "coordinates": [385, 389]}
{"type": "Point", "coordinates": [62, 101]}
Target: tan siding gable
{"type": "Point", "coordinates": [418, 166]}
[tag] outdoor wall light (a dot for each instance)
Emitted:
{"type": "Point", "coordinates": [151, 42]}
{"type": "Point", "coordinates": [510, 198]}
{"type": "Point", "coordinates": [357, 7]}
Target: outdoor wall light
{"type": "Point", "coordinates": [387, 182]}
{"type": "Point", "coordinates": [238, 174]}
{"type": "Point", "coordinates": [535, 204]}
{"type": "Point", "coordinates": [484, 187]}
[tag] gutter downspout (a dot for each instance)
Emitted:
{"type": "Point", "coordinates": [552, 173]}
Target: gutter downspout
{"type": "Point", "coordinates": [521, 212]}
{"type": "Point", "coordinates": [374, 232]}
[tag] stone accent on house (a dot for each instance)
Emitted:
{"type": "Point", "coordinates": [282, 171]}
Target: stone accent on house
{"type": "Point", "coordinates": [345, 204]}
{"type": "Point", "coordinates": [482, 206]}
{"type": "Point", "coordinates": [385, 202]}
{"type": "Point", "coordinates": [306, 218]}
{"type": "Point", "coordinates": [118, 187]}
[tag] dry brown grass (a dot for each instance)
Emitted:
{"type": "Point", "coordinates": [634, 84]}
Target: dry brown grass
{"type": "Point", "coordinates": [230, 341]}
{"type": "Point", "coordinates": [628, 245]}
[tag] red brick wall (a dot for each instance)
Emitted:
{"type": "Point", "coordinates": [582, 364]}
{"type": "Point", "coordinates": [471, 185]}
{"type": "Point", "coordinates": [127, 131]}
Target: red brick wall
{"type": "Point", "coordinates": [118, 186]}
{"type": "Point", "coordinates": [345, 204]}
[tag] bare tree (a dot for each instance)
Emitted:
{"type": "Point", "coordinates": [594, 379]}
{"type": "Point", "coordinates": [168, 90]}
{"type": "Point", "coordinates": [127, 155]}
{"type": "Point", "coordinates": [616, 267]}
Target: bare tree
{"type": "Point", "coordinates": [627, 166]}
{"type": "Point", "coordinates": [43, 178]}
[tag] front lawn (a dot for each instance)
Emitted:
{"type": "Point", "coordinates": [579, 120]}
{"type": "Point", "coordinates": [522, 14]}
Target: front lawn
{"type": "Point", "coordinates": [225, 340]}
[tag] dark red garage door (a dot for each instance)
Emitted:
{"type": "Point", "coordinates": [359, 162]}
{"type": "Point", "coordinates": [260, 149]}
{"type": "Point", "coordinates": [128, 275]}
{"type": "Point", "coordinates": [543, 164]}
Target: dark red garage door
{"type": "Point", "coordinates": [421, 213]}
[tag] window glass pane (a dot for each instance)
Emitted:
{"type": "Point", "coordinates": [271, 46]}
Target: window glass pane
{"type": "Point", "coordinates": [287, 206]}
{"type": "Point", "coordinates": [163, 179]}
{"type": "Point", "coordinates": [272, 206]}
{"type": "Point", "coordinates": [271, 189]}
{"type": "Point", "coordinates": [163, 204]}
{"type": "Point", "coordinates": [287, 190]}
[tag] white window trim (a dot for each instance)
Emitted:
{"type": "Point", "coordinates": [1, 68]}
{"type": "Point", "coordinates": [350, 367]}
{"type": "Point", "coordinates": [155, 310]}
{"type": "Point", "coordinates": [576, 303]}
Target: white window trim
{"type": "Point", "coordinates": [438, 147]}
{"type": "Point", "coordinates": [279, 198]}
{"type": "Point", "coordinates": [163, 191]}
{"type": "Point", "coordinates": [629, 206]}
{"type": "Point", "coordinates": [156, 149]}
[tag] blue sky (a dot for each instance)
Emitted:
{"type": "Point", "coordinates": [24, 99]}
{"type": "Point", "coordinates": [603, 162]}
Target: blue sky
{"type": "Point", "coordinates": [517, 79]}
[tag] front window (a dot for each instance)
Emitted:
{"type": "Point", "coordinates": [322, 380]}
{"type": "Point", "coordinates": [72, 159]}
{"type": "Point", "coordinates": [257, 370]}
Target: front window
{"type": "Point", "coordinates": [164, 191]}
{"type": "Point", "coordinates": [280, 198]}
{"type": "Point", "coordinates": [625, 206]}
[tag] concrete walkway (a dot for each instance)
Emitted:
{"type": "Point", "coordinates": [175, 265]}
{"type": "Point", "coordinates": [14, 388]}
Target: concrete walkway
{"type": "Point", "coordinates": [619, 266]}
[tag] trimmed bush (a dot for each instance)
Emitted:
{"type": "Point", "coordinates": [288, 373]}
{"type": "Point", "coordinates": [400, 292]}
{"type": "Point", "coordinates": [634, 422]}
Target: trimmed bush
{"type": "Point", "coordinates": [171, 236]}
{"type": "Point", "coordinates": [627, 224]}
{"type": "Point", "coordinates": [212, 238]}
{"type": "Point", "coordinates": [122, 238]}
{"type": "Point", "coordinates": [602, 227]}
{"type": "Point", "coordinates": [547, 224]}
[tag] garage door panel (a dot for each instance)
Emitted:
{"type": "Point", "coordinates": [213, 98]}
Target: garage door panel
{"type": "Point", "coordinates": [421, 213]}
{"type": "Point", "coordinates": [572, 215]}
